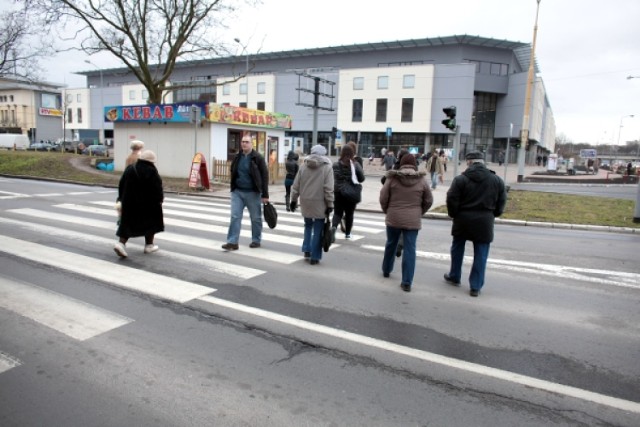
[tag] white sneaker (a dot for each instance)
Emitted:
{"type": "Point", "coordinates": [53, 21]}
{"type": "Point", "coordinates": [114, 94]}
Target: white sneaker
{"type": "Point", "coordinates": [120, 250]}
{"type": "Point", "coordinates": [150, 248]}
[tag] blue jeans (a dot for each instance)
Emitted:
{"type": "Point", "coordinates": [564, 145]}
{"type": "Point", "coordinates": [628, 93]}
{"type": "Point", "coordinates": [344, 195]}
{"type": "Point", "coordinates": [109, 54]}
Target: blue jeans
{"type": "Point", "coordinates": [434, 179]}
{"type": "Point", "coordinates": [409, 238]}
{"type": "Point", "coordinates": [312, 241]}
{"type": "Point", "coordinates": [253, 202]}
{"type": "Point", "coordinates": [480, 255]}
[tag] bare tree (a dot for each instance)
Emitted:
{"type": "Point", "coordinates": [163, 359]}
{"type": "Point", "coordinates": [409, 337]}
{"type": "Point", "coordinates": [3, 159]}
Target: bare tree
{"type": "Point", "coordinates": [18, 53]}
{"type": "Point", "coordinates": [148, 36]}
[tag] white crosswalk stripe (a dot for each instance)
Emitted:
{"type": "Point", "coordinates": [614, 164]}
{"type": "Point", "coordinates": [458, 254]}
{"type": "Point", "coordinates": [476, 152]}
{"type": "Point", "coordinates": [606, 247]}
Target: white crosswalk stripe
{"type": "Point", "coordinates": [64, 314]}
{"type": "Point", "coordinates": [153, 284]}
{"type": "Point", "coordinates": [213, 266]}
{"type": "Point", "coordinates": [208, 218]}
{"type": "Point", "coordinates": [8, 362]}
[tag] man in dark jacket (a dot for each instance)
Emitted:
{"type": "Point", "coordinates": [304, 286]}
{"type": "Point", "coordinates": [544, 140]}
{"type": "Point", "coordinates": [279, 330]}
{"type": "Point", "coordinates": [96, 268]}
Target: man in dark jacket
{"type": "Point", "coordinates": [474, 200]}
{"type": "Point", "coordinates": [250, 189]}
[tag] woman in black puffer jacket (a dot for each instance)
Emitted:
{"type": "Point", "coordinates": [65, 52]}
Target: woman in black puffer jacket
{"type": "Point", "coordinates": [344, 172]}
{"type": "Point", "coordinates": [291, 165]}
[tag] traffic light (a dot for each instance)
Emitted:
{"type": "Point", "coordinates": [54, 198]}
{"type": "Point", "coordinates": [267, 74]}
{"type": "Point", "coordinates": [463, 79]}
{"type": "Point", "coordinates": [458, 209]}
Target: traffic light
{"type": "Point", "coordinates": [334, 132]}
{"type": "Point", "coordinates": [450, 121]}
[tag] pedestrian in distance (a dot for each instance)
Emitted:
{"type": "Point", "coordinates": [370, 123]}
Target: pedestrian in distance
{"type": "Point", "coordinates": [313, 185]}
{"type": "Point", "coordinates": [435, 169]}
{"type": "Point", "coordinates": [136, 148]}
{"type": "Point", "coordinates": [476, 197]}
{"type": "Point", "coordinates": [140, 198]}
{"type": "Point", "coordinates": [443, 159]}
{"type": "Point", "coordinates": [388, 160]}
{"type": "Point", "coordinates": [404, 198]}
{"type": "Point", "coordinates": [291, 166]}
{"type": "Point", "coordinates": [500, 158]}
{"type": "Point", "coordinates": [346, 171]}
{"type": "Point", "coordinates": [250, 189]}
{"type": "Point", "coordinates": [273, 166]}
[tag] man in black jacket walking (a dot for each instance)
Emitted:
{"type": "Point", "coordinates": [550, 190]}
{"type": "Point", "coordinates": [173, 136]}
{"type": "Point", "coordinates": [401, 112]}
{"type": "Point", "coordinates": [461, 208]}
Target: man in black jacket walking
{"type": "Point", "coordinates": [249, 187]}
{"type": "Point", "coordinates": [474, 200]}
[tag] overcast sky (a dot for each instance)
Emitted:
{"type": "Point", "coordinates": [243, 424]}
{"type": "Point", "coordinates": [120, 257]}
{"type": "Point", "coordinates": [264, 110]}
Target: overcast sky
{"type": "Point", "coordinates": [585, 48]}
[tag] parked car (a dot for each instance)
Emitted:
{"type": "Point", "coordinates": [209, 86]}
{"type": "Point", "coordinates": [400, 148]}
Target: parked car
{"type": "Point", "coordinates": [40, 146]}
{"type": "Point", "coordinates": [96, 150]}
{"type": "Point", "coordinates": [69, 146]}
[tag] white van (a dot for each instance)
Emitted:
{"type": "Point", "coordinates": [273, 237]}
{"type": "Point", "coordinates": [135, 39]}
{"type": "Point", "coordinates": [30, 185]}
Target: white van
{"type": "Point", "coordinates": [11, 140]}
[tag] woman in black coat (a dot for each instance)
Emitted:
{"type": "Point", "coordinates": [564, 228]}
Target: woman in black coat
{"type": "Point", "coordinates": [140, 198]}
{"type": "Point", "coordinates": [344, 172]}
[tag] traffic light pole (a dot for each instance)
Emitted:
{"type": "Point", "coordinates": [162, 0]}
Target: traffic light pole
{"type": "Point", "coordinates": [456, 151]}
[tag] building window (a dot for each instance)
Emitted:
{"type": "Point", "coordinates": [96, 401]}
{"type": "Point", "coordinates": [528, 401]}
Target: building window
{"type": "Point", "coordinates": [358, 83]}
{"type": "Point", "coordinates": [262, 87]}
{"type": "Point", "coordinates": [226, 89]}
{"type": "Point", "coordinates": [381, 110]}
{"type": "Point", "coordinates": [79, 113]}
{"type": "Point", "coordinates": [243, 88]}
{"type": "Point", "coordinates": [132, 95]}
{"type": "Point", "coordinates": [194, 91]}
{"type": "Point", "coordinates": [383, 82]}
{"type": "Point", "coordinates": [243, 105]}
{"type": "Point", "coordinates": [407, 110]}
{"type": "Point", "coordinates": [408, 81]}
{"type": "Point", "coordinates": [261, 105]}
{"type": "Point", "coordinates": [145, 94]}
{"type": "Point", "coordinates": [356, 114]}
{"type": "Point", "coordinates": [79, 98]}
{"type": "Point", "coordinates": [69, 115]}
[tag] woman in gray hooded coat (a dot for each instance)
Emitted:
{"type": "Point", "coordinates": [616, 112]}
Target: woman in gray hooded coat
{"type": "Point", "coordinates": [314, 186]}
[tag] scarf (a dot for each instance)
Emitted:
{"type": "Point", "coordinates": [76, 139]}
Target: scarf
{"type": "Point", "coordinates": [354, 177]}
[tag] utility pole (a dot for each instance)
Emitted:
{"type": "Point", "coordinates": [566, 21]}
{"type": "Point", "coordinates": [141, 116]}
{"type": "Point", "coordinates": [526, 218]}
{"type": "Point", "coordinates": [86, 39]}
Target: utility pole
{"type": "Point", "coordinates": [524, 132]}
{"type": "Point", "coordinates": [318, 94]}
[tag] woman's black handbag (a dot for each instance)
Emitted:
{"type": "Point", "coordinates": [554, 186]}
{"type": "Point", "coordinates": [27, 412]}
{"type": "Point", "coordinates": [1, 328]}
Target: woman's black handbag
{"type": "Point", "coordinates": [327, 235]}
{"type": "Point", "coordinates": [270, 214]}
{"type": "Point", "coordinates": [351, 192]}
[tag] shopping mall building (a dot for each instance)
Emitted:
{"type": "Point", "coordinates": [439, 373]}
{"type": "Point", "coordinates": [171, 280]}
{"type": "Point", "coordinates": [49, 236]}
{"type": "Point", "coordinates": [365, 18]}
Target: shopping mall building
{"type": "Point", "coordinates": [386, 94]}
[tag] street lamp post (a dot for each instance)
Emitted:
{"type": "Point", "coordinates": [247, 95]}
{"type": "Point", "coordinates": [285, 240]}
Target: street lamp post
{"type": "Point", "coordinates": [620, 128]}
{"type": "Point", "coordinates": [636, 213]}
{"type": "Point", "coordinates": [524, 132]}
{"type": "Point", "coordinates": [246, 72]}
{"type": "Point", "coordinates": [101, 136]}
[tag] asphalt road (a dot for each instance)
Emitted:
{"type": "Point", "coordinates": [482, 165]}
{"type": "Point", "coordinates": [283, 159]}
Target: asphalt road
{"type": "Point", "coordinates": [193, 335]}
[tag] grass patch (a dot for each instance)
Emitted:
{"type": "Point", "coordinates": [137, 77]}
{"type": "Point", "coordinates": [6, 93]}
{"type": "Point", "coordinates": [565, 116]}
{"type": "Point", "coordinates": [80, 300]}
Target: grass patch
{"type": "Point", "coordinates": [60, 166]}
{"type": "Point", "coordinates": [566, 208]}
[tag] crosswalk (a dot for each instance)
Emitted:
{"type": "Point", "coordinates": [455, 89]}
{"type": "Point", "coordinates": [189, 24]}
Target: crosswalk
{"type": "Point", "coordinates": [75, 234]}
{"type": "Point", "coordinates": [196, 229]}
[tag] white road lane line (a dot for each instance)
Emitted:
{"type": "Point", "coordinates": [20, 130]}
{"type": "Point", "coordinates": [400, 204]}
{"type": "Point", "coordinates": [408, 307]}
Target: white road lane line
{"type": "Point", "coordinates": [511, 377]}
{"type": "Point", "coordinates": [7, 195]}
{"type": "Point", "coordinates": [64, 314]}
{"type": "Point", "coordinates": [605, 277]}
{"type": "Point", "coordinates": [110, 272]}
{"type": "Point", "coordinates": [7, 362]}
{"type": "Point", "coordinates": [214, 266]}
